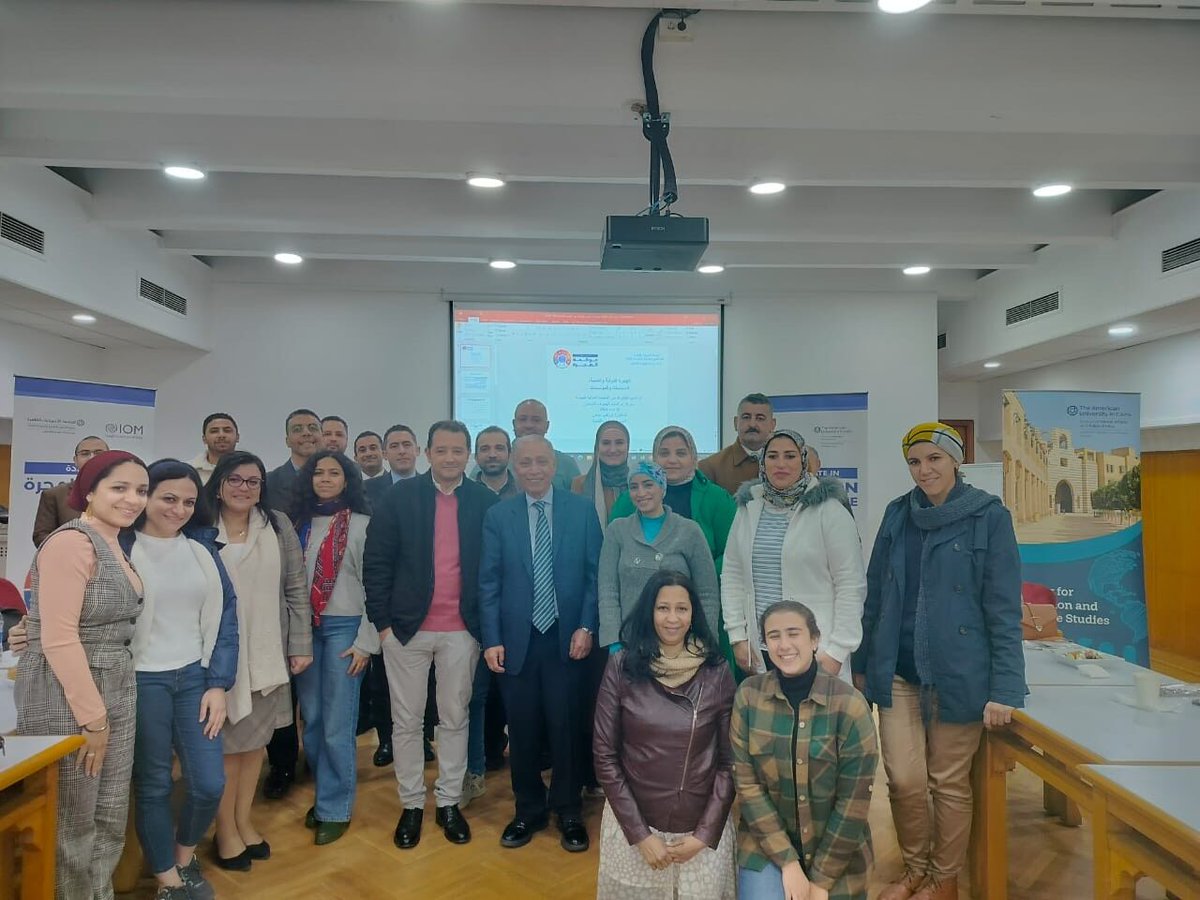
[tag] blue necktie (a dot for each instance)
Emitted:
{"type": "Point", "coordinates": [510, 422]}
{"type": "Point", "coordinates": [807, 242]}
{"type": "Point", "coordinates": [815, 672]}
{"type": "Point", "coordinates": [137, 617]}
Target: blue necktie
{"type": "Point", "coordinates": [545, 610]}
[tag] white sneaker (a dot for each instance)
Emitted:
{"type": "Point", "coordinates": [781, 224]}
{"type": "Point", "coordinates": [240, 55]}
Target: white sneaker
{"type": "Point", "coordinates": [473, 786]}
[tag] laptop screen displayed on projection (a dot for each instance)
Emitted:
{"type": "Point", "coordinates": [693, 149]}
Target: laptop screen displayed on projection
{"type": "Point", "coordinates": [646, 368]}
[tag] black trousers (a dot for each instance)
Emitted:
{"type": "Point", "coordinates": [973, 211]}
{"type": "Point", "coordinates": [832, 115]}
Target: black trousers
{"type": "Point", "coordinates": [495, 738]}
{"type": "Point", "coordinates": [543, 701]}
{"type": "Point", "coordinates": [283, 751]}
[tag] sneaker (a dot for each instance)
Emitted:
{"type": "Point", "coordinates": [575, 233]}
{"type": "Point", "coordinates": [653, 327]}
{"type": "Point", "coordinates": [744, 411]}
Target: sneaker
{"type": "Point", "coordinates": [171, 892]}
{"type": "Point", "coordinates": [473, 786]}
{"type": "Point", "coordinates": [193, 881]}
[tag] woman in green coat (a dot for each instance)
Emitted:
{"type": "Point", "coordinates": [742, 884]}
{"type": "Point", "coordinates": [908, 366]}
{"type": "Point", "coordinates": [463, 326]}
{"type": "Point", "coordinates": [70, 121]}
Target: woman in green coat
{"type": "Point", "coordinates": [693, 496]}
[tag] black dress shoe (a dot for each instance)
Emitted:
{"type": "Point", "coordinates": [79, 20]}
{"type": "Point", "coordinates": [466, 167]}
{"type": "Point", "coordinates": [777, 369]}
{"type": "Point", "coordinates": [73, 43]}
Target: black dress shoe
{"type": "Point", "coordinates": [278, 783]}
{"type": "Point", "coordinates": [520, 832]}
{"type": "Point", "coordinates": [408, 829]}
{"type": "Point", "coordinates": [239, 863]}
{"type": "Point", "coordinates": [453, 824]}
{"type": "Point", "coordinates": [261, 850]}
{"type": "Point", "coordinates": [574, 835]}
{"type": "Point", "coordinates": [383, 756]}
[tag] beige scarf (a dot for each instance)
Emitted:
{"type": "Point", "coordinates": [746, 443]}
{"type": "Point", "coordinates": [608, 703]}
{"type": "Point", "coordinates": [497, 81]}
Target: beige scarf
{"type": "Point", "coordinates": [673, 671]}
{"type": "Point", "coordinates": [261, 666]}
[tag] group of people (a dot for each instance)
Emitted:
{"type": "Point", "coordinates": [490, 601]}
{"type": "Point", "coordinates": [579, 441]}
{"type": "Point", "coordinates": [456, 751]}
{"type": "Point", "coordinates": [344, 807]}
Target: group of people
{"type": "Point", "coordinates": [670, 633]}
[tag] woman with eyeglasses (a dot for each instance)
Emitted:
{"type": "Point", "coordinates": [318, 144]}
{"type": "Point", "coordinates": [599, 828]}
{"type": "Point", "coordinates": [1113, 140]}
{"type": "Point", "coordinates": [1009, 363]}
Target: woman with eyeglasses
{"type": "Point", "coordinates": [185, 650]}
{"type": "Point", "coordinates": [330, 513]}
{"type": "Point", "coordinates": [264, 559]}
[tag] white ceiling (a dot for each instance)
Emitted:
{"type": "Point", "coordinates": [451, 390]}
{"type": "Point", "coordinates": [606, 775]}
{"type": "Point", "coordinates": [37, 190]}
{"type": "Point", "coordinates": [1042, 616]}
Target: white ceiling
{"type": "Point", "coordinates": [344, 130]}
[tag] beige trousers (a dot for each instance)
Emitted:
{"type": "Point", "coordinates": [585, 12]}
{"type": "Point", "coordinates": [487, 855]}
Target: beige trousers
{"type": "Point", "coordinates": [924, 761]}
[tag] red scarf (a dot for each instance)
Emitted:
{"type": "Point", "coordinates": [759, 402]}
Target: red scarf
{"type": "Point", "coordinates": [329, 562]}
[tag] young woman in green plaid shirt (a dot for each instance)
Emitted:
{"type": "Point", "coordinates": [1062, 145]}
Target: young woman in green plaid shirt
{"type": "Point", "coordinates": [804, 756]}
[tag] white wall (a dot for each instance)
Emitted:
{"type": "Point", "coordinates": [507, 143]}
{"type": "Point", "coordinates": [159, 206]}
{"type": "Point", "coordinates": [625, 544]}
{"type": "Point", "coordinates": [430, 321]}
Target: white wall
{"type": "Point", "coordinates": [27, 351]}
{"type": "Point", "coordinates": [375, 359]}
{"type": "Point", "coordinates": [880, 344]}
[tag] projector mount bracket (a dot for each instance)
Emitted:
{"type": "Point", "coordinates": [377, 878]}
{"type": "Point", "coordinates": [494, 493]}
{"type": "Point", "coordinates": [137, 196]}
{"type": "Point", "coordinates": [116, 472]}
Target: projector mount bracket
{"type": "Point", "coordinates": [656, 124]}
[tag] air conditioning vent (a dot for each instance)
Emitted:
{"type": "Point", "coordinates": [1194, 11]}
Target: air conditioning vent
{"type": "Point", "coordinates": [158, 294]}
{"type": "Point", "coordinates": [22, 233]}
{"type": "Point", "coordinates": [942, 341]}
{"type": "Point", "coordinates": [1023, 312]}
{"type": "Point", "coordinates": [1183, 255]}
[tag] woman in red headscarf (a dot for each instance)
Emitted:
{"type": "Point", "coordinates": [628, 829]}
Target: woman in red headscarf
{"type": "Point", "coordinates": [76, 675]}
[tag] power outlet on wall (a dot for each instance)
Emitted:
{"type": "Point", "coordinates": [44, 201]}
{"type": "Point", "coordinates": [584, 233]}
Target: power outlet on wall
{"type": "Point", "coordinates": [679, 31]}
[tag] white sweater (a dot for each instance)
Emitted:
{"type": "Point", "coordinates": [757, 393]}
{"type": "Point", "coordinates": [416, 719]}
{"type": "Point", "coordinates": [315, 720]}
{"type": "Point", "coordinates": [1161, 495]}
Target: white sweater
{"type": "Point", "coordinates": [822, 568]}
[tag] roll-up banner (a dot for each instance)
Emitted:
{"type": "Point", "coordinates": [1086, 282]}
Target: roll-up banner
{"type": "Point", "coordinates": [51, 416]}
{"type": "Point", "coordinates": [1072, 481]}
{"type": "Point", "coordinates": [835, 425]}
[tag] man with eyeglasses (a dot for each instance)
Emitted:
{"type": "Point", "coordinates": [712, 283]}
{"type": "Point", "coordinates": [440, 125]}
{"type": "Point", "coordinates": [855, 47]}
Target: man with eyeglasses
{"type": "Point", "coordinates": [53, 510]}
{"type": "Point", "coordinates": [302, 434]}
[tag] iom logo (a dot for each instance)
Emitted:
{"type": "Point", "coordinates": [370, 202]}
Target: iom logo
{"type": "Point", "coordinates": [125, 428]}
{"type": "Point", "coordinates": [562, 359]}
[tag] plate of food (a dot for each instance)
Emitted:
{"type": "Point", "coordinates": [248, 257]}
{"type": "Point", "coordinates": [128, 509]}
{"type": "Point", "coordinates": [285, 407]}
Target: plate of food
{"type": "Point", "coordinates": [1075, 656]}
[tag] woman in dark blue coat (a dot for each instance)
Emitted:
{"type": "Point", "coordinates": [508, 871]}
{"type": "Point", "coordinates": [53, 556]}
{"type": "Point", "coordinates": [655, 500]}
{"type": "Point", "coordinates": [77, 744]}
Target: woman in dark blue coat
{"type": "Point", "coordinates": [941, 652]}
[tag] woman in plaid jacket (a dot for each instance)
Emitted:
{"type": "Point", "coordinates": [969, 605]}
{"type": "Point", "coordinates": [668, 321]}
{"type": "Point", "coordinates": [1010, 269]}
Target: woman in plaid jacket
{"type": "Point", "coordinates": [804, 756]}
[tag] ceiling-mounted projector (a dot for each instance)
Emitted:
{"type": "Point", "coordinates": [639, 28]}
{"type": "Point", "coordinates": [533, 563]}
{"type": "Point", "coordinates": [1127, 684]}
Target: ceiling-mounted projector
{"type": "Point", "coordinates": [654, 243]}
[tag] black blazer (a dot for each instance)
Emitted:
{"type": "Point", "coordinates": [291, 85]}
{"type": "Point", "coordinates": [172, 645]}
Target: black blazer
{"type": "Point", "coordinates": [398, 559]}
{"type": "Point", "coordinates": [281, 482]}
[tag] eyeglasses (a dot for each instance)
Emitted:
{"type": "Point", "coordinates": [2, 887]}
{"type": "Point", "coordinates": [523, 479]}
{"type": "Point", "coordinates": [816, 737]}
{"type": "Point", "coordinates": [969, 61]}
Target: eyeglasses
{"type": "Point", "coordinates": [253, 482]}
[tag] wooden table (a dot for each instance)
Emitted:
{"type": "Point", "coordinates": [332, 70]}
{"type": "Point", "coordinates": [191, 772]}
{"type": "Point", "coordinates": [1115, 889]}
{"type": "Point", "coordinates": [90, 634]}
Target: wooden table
{"type": "Point", "coordinates": [1145, 821]}
{"type": "Point", "coordinates": [29, 812]}
{"type": "Point", "coordinates": [1060, 729]}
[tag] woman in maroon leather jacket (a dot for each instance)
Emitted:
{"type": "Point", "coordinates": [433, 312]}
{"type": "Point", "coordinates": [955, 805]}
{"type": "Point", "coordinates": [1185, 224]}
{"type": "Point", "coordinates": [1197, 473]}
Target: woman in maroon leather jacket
{"type": "Point", "coordinates": [661, 745]}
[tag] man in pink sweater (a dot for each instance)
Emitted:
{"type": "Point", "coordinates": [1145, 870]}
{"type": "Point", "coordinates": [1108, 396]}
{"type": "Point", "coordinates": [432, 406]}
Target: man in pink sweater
{"type": "Point", "coordinates": [421, 575]}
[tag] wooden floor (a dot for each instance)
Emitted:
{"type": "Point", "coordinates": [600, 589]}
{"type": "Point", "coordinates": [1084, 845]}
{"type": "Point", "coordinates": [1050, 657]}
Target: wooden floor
{"type": "Point", "coordinates": [1047, 860]}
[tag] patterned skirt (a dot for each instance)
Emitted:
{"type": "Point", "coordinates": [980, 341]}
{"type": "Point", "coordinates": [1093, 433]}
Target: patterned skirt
{"type": "Point", "coordinates": [624, 875]}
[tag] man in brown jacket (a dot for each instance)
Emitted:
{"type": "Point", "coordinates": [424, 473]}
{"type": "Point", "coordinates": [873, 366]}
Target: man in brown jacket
{"type": "Point", "coordinates": [53, 510]}
{"type": "Point", "coordinates": [754, 423]}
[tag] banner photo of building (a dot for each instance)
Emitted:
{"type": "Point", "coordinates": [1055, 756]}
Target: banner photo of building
{"type": "Point", "coordinates": [1072, 481]}
{"type": "Point", "coordinates": [51, 416]}
{"type": "Point", "coordinates": [835, 425]}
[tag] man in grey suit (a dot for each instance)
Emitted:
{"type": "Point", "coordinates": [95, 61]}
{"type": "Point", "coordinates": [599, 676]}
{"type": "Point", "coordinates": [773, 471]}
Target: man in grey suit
{"type": "Point", "coordinates": [302, 434]}
{"type": "Point", "coordinates": [400, 449]}
{"type": "Point", "coordinates": [538, 614]}
{"type": "Point", "coordinates": [530, 417]}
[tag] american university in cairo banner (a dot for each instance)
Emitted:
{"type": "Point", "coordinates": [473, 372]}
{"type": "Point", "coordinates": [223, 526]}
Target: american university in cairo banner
{"type": "Point", "coordinates": [51, 416]}
{"type": "Point", "coordinates": [1072, 481]}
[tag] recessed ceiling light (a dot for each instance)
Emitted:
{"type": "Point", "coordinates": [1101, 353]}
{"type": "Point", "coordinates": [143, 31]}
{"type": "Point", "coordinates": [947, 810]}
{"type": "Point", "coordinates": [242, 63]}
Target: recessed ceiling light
{"type": "Point", "coordinates": [710, 269]}
{"type": "Point", "coordinates": [1121, 330]}
{"type": "Point", "coordinates": [84, 318]}
{"type": "Point", "coordinates": [485, 181]}
{"type": "Point", "coordinates": [289, 259]}
{"type": "Point", "coordinates": [901, 6]}
{"type": "Point", "coordinates": [768, 187]}
{"type": "Point", "coordinates": [1052, 190]}
{"type": "Point", "coordinates": [917, 270]}
{"type": "Point", "coordinates": [991, 365]}
{"type": "Point", "coordinates": [502, 264]}
{"type": "Point", "coordinates": [186, 173]}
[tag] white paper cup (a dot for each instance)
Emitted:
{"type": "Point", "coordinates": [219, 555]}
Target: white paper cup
{"type": "Point", "coordinates": [1146, 686]}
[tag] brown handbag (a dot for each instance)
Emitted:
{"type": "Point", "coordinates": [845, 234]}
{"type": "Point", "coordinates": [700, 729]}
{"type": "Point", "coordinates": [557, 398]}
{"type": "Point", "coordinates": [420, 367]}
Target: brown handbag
{"type": "Point", "coordinates": [1039, 622]}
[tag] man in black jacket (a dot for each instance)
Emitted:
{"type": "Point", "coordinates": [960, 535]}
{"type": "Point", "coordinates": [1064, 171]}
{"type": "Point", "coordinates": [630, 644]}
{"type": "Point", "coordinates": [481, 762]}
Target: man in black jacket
{"type": "Point", "coordinates": [421, 574]}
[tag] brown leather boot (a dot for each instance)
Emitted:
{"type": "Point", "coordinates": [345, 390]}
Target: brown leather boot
{"type": "Point", "coordinates": [938, 889]}
{"type": "Point", "coordinates": [905, 888]}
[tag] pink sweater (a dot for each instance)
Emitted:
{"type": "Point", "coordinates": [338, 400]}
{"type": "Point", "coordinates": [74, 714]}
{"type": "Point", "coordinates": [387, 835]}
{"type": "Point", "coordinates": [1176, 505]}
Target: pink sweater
{"type": "Point", "coordinates": [444, 612]}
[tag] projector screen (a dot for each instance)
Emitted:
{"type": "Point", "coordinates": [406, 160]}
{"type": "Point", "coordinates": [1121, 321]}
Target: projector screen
{"type": "Point", "coordinates": [646, 368]}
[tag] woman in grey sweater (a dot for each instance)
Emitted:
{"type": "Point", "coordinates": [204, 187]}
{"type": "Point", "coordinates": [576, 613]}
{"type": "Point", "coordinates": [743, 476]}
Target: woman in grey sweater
{"type": "Point", "coordinates": [650, 540]}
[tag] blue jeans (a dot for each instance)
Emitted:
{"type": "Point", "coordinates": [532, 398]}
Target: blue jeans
{"type": "Point", "coordinates": [168, 710]}
{"type": "Point", "coordinates": [476, 753]}
{"type": "Point", "coordinates": [764, 885]}
{"type": "Point", "coordinates": [329, 707]}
